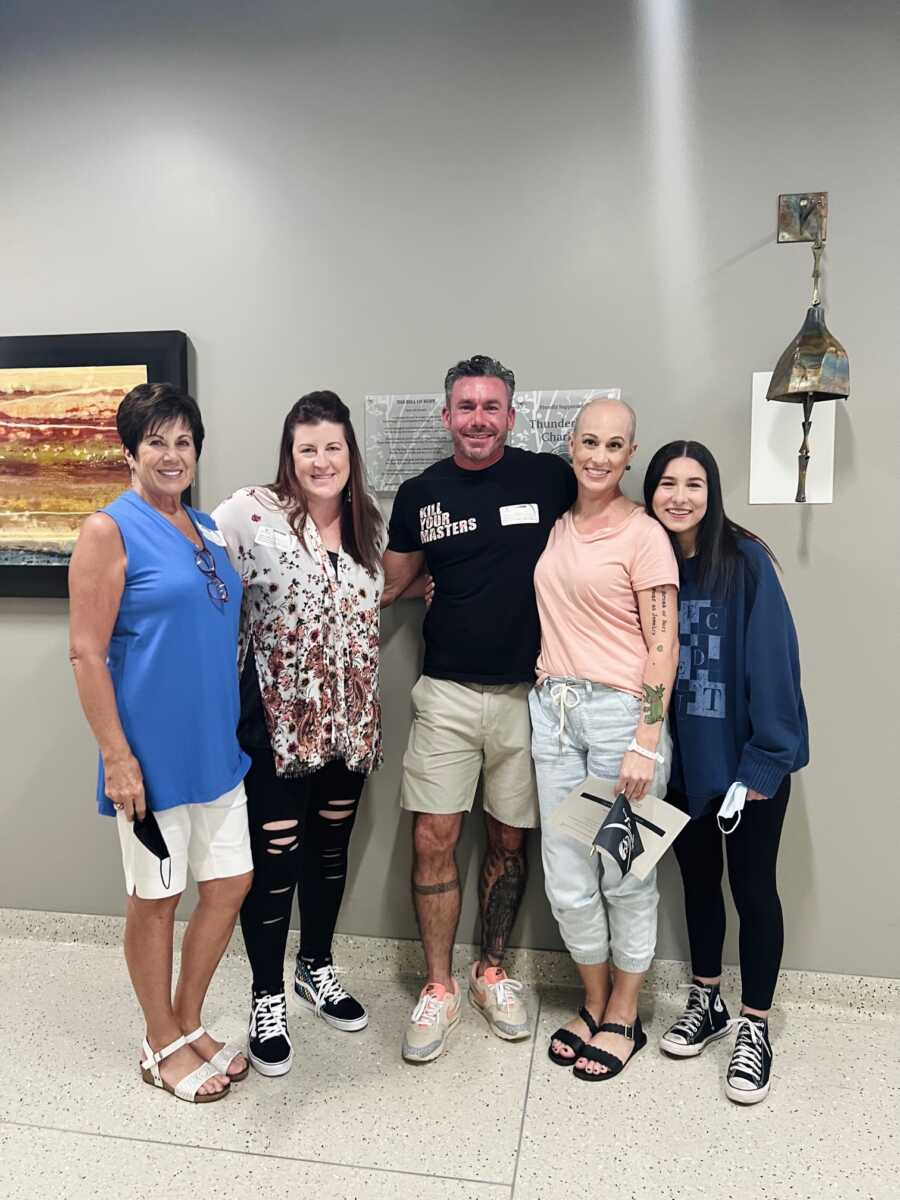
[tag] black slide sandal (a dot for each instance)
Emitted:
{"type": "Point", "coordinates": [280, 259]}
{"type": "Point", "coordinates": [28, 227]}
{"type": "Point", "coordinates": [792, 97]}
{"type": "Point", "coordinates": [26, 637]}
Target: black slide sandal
{"type": "Point", "coordinates": [572, 1040]}
{"type": "Point", "coordinates": [614, 1065]}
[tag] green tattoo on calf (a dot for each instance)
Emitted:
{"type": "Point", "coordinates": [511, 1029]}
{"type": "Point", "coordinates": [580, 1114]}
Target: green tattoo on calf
{"type": "Point", "coordinates": [653, 703]}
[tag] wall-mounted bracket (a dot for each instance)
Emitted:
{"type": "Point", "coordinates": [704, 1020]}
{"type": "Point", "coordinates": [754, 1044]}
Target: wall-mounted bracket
{"type": "Point", "coordinates": [802, 217]}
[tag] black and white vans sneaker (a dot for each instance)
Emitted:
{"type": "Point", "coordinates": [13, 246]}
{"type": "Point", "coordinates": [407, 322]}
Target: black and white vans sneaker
{"type": "Point", "coordinates": [703, 1021]}
{"type": "Point", "coordinates": [317, 987]}
{"type": "Point", "coordinates": [747, 1081]}
{"type": "Point", "coordinates": [270, 1050]}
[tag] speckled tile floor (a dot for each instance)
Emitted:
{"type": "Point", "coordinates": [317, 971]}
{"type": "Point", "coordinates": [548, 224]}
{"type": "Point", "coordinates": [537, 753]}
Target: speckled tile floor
{"type": "Point", "coordinates": [489, 1121]}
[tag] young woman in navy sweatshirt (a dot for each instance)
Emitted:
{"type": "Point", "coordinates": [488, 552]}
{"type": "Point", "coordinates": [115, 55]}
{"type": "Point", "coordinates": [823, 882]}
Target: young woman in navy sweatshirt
{"type": "Point", "coordinates": [737, 718]}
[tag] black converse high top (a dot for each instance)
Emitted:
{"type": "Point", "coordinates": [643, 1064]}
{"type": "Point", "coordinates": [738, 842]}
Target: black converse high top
{"type": "Point", "coordinates": [747, 1081]}
{"type": "Point", "coordinates": [703, 1021]}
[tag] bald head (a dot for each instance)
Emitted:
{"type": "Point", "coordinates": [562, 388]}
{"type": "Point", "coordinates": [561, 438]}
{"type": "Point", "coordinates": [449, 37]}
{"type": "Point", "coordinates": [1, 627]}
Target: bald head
{"type": "Point", "coordinates": [611, 408]}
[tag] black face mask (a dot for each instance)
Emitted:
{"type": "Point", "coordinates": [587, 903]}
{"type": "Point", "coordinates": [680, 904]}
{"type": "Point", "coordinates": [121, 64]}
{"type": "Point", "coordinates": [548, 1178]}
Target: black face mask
{"type": "Point", "coordinates": [149, 834]}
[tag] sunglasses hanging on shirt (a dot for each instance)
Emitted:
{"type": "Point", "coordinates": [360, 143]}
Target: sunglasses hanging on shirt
{"type": "Point", "coordinates": [205, 562]}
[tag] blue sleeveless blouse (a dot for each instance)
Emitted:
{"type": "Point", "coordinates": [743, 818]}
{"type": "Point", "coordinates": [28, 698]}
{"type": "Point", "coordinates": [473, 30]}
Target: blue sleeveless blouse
{"type": "Point", "coordinates": [173, 660]}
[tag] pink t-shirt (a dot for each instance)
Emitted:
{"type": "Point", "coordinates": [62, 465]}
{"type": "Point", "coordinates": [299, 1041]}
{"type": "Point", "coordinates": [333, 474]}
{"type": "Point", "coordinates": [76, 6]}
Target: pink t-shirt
{"type": "Point", "coordinates": [586, 587]}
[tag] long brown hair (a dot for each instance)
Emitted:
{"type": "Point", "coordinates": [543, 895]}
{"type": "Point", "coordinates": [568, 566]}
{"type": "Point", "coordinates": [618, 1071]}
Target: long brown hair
{"type": "Point", "coordinates": [361, 520]}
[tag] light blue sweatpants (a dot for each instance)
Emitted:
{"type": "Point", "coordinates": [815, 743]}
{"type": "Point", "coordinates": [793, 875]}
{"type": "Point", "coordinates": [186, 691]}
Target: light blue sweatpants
{"type": "Point", "coordinates": [579, 729]}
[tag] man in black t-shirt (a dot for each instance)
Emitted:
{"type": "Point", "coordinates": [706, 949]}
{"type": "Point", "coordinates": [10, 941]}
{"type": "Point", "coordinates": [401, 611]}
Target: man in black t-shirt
{"type": "Point", "coordinates": [477, 522]}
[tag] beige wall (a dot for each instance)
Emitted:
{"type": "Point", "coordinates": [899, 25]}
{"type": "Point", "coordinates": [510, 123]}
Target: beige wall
{"type": "Point", "coordinates": [353, 195]}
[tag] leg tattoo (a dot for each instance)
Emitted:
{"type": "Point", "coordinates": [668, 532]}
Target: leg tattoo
{"type": "Point", "coordinates": [500, 892]}
{"type": "Point", "coordinates": [435, 889]}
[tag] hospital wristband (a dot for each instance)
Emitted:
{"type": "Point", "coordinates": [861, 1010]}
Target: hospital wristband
{"type": "Point", "coordinates": [644, 752]}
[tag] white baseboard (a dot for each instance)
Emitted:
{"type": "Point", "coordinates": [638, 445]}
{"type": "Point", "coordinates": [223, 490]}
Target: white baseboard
{"type": "Point", "coordinates": [380, 958]}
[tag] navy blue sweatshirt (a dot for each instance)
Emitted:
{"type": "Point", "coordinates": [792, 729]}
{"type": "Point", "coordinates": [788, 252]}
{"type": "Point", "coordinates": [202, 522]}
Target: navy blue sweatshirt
{"type": "Point", "coordinates": [738, 712]}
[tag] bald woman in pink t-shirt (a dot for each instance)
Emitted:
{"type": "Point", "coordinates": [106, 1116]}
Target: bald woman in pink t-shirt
{"type": "Point", "coordinates": [607, 593]}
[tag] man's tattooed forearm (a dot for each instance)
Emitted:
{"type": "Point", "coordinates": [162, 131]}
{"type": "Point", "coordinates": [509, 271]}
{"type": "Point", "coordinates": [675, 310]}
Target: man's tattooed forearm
{"type": "Point", "coordinates": [653, 703]}
{"type": "Point", "coordinates": [435, 889]}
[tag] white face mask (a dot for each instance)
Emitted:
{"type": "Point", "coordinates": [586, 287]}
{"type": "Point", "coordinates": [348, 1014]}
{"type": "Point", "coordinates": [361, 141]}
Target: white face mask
{"type": "Point", "coordinates": [731, 806]}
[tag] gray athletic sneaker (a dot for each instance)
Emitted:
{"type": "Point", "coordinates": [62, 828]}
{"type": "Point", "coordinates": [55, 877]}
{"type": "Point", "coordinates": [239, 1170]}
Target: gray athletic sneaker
{"type": "Point", "coordinates": [435, 1014]}
{"type": "Point", "coordinates": [495, 996]}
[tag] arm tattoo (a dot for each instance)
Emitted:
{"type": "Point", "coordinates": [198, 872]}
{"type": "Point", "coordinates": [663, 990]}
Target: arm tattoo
{"type": "Point", "coordinates": [500, 890]}
{"type": "Point", "coordinates": [665, 616]}
{"type": "Point", "coordinates": [654, 616]}
{"type": "Point", "coordinates": [435, 889]}
{"type": "Point", "coordinates": [653, 703]}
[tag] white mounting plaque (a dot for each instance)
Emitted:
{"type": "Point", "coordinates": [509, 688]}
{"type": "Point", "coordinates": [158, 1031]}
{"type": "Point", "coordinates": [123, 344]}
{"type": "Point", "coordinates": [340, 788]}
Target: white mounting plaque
{"type": "Point", "coordinates": [776, 431]}
{"type": "Point", "coordinates": [404, 433]}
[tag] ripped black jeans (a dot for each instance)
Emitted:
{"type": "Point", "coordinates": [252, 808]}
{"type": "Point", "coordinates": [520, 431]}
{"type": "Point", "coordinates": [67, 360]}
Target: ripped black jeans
{"type": "Point", "coordinates": [300, 832]}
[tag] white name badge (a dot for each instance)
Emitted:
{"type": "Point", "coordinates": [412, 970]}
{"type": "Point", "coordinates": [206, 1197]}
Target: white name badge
{"type": "Point", "coordinates": [519, 514]}
{"type": "Point", "coordinates": [213, 535]}
{"type": "Point", "coordinates": [267, 536]}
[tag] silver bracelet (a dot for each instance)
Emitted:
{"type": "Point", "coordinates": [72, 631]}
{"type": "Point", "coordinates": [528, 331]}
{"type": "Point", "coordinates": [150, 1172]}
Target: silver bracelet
{"type": "Point", "coordinates": [644, 752]}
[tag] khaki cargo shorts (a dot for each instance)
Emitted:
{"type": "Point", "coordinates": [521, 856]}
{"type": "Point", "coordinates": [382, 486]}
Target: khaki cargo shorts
{"type": "Point", "coordinates": [460, 729]}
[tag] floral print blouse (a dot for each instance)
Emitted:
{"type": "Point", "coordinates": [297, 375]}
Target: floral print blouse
{"type": "Point", "coordinates": [315, 635]}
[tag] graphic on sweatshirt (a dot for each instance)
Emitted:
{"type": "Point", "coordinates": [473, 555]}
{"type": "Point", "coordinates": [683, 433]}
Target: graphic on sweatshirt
{"type": "Point", "coordinates": [700, 686]}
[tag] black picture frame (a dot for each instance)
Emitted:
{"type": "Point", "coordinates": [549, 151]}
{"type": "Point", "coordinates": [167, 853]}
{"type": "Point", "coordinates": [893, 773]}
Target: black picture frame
{"type": "Point", "coordinates": [162, 352]}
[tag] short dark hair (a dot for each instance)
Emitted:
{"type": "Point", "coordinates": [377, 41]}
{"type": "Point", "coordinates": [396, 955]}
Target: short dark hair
{"type": "Point", "coordinates": [480, 366]}
{"type": "Point", "coordinates": [149, 406]}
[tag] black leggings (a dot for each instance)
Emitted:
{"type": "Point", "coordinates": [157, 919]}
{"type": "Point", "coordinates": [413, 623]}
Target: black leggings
{"type": "Point", "coordinates": [752, 851]}
{"type": "Point", "coordinates": [300, 831]}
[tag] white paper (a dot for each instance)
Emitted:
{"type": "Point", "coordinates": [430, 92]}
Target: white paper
{"type": "Point", "coordinates": [776, 431]}
{"type": "Point", "coordinates": [519, 514]}
{"type": "Point", "coordinates": [267, 536]}
{"type": "Point", "coordinates": [581, 817]}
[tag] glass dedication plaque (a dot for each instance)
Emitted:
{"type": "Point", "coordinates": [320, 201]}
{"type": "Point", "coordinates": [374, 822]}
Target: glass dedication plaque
{"type": "Point", "coordinates": [404, 433]}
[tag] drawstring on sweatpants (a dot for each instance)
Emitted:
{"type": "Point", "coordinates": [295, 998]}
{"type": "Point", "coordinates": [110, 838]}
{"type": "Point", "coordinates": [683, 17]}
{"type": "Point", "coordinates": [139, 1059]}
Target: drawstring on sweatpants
{"type": "Point", "coordinates": [564, 696]}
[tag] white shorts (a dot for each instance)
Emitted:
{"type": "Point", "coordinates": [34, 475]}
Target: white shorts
{"type": "Point", "coordinates": [213, 839]}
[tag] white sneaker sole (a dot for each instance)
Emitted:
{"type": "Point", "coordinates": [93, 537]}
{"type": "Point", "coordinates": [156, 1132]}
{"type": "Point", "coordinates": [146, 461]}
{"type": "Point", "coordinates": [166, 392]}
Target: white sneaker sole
{"type": "Point", "coordinates": [679, 1050]}
{"type": "Point", "coordinates": [417, 1060]}
{"type": "Point", "coordinates": [739, 1096]}
{"type": "Point", "coordinates": [347, 1026]}
{"type": "Point", "coordinates": [270, 1070]}
{"type": "Point", "coordinates": [506, 1037]}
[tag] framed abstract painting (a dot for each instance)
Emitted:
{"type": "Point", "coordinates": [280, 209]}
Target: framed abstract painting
{"type": "Point", "coordinates": [60, 454]}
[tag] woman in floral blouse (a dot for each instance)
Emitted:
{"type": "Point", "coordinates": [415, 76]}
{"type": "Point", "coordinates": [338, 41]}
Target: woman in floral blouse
{"type": "Point", "coordinates": [308, 548]}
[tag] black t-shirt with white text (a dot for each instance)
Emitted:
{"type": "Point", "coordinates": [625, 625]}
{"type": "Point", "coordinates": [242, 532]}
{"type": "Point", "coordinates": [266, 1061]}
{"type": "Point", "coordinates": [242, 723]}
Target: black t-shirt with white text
{"type": "Point", "coordinates": [482, 533]}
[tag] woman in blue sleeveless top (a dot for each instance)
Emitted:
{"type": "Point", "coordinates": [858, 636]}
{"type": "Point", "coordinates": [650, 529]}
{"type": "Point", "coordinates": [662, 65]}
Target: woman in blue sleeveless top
{"type": "Point", "coordinates": [155, 611]}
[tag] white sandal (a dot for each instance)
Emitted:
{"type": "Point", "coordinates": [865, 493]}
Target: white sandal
{"type": "Point", "coordinates": [187, 1088]}
{"type": "Point", "coordinates": [222, 1059]}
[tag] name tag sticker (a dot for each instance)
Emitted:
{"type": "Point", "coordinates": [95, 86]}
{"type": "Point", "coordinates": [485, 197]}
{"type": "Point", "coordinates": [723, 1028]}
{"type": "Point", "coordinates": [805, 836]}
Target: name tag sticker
{"type": "Point", "coordinates": [267, 536]}
{"type": "Point", "coordinates": [519, 514]}
{"type": "Point", "coordinates": [214, 536]}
